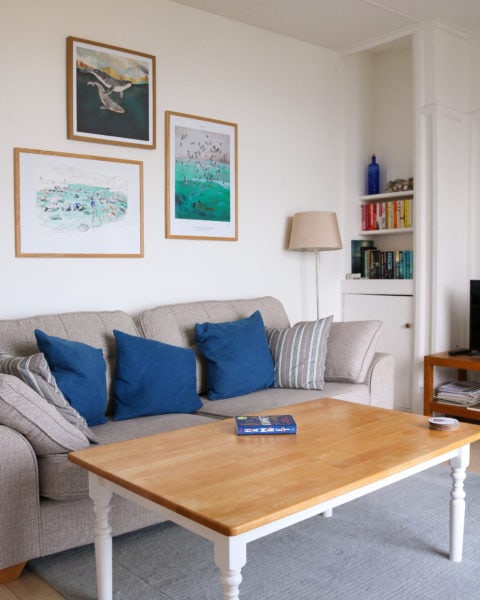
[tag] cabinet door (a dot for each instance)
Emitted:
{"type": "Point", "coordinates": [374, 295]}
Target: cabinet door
{"type": "Point", "coordinates": [396, 338]}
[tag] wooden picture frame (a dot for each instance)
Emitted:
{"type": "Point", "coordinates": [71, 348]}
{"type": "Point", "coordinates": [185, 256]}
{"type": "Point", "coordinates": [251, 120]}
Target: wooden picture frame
{"type": "Point", "coordinates": [201, 182]}
{"type": "Point", "coordinates": [74, 205]}
{"type": "Point", "coordinates": [110, 94]}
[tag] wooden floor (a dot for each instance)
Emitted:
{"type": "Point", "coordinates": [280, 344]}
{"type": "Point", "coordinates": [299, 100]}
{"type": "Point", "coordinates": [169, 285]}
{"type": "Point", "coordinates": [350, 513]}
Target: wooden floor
{"type": "Point", "coordinates": [31, 587]}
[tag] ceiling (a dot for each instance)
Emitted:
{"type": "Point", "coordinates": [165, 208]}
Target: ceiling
{"type": "Point", "coordinates": [345, 25]}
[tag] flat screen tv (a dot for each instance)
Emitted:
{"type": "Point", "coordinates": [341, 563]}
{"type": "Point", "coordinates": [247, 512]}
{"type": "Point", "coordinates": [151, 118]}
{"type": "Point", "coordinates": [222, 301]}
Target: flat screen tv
{"type": "Point", "coordinates": [475, 314]}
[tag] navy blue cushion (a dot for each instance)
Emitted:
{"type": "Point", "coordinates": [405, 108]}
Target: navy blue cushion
{"type": "Point", "coordinates": [238, 357]}
{"type": "Point", "coordinates": [153, 378]}
{"type": "Point", "coordinates": [80, 373]}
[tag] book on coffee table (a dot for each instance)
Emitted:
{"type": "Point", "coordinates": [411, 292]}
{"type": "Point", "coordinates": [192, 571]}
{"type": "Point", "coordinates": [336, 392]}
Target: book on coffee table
{"type": "Point", "coordinates": [261, 425]}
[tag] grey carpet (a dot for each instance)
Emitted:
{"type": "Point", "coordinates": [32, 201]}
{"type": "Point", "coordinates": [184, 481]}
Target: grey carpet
{"type": "Point", "coordinates": [389, 545]}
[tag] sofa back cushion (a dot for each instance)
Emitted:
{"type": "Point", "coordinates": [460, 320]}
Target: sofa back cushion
{"type": "Point", "coordinates": [351, 347]}
{"type": "Point", "coordinates": [175, 324]}
{"type": "Point", "coordinates": [17, 336]}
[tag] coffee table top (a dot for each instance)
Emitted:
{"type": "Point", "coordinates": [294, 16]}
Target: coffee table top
{"type": "Point", "coordinates": [234, 484]}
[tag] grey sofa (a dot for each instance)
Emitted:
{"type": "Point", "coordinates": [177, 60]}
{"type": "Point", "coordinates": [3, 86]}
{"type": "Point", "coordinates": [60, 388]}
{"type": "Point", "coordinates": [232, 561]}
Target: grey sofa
{"type": "Point", "coordinates": [44, 503]}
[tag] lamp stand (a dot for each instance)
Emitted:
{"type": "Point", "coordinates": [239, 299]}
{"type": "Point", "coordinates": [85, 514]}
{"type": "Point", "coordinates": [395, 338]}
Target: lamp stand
{"type": "Point", "coordinates": [317, 269]}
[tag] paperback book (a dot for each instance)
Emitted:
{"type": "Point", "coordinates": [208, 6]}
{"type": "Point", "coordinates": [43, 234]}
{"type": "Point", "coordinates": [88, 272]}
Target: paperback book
{"type": "Point", "coordinates": [261, 425]}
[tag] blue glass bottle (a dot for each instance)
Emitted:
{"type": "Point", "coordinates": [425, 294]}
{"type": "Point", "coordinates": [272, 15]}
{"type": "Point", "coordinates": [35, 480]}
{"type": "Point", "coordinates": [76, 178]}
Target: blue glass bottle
{"type": "Point", "coordinates": [373, 185]}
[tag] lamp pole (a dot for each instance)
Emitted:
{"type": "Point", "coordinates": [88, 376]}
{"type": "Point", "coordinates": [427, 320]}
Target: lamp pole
{"type": "Point", "coordinates": [317, 269]}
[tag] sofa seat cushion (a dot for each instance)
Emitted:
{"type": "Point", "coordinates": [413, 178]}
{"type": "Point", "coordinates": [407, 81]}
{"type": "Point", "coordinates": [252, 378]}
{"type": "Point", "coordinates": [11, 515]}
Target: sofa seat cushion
{"type": "Point", "coordinates": [263, 400]}
{"type": "Point", "coordinates": [62, 480]}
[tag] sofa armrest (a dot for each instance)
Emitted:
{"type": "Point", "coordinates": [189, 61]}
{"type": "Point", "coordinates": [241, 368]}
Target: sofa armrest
{"type": "Point", "coordinates": [381, 380]}
{"type": "Point", "coordinates": [19, 499]}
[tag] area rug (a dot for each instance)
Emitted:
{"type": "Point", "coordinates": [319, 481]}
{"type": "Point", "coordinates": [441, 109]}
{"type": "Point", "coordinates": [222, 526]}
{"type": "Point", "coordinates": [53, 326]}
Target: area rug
{"type": "Point", "coordinates": [389, 545]}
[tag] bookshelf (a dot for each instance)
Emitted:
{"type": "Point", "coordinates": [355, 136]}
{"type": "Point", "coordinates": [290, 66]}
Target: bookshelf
{"type": "Point", "coordinates": [383, 216]}
{"type": "Point", "coordinates": [388, 213]}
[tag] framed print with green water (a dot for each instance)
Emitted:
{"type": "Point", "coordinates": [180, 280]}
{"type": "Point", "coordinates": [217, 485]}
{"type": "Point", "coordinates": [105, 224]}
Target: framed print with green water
{"type": "Point", "coordinates": [110, 94]}
{"type": "Point", "coordinates": [75, 205]}
{"type": "Point", "coordinates": [201, 178]}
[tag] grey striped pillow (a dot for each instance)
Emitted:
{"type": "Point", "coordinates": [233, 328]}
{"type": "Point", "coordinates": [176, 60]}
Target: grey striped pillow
{"type": "Point", "coordinates": [35, 372]}
{"type": "Point", "coordinates": [299, 354]}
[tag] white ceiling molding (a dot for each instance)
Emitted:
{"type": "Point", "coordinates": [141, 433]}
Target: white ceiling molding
{"type": "Point", "coordinates": [346, 26]}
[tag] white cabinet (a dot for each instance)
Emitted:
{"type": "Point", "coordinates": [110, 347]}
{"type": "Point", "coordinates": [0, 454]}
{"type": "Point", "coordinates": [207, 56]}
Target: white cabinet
{"type": "Point", "coordinates": [392, 304]}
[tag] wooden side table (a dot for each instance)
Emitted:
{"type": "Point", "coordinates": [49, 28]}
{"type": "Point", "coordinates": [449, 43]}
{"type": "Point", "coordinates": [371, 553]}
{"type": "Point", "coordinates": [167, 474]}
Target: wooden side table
{"type": "Point", "coordinates": [462, 363]}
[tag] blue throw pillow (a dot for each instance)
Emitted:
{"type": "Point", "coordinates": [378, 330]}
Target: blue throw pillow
{"type": "Point", "coordinates": [238, 357]}
{"type": "Point", "coordinates": [153, 378]}
{"type": "Point", "coordinates": [80, 373]}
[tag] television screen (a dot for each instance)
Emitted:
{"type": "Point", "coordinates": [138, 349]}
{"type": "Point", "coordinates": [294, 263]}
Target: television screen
{"type": "Point", "coordinates": [475, 314]}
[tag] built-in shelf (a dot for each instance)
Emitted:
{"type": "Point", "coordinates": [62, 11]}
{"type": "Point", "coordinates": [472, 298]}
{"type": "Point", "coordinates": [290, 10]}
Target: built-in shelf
{"type": "Point", "coordinates": [387, 196]}
{"type": "Point", "coordinates": [384, 287]}
{"type": "Point", "coordinates": [386, 231]}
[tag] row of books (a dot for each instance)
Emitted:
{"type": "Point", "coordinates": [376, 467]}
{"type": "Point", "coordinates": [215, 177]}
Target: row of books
{"type": "Point", "coordinates": [391, 214]}
{"type": "Point", "coordinates": [460, 393]}
{"type": "Point", "coordinates": [387, 264]}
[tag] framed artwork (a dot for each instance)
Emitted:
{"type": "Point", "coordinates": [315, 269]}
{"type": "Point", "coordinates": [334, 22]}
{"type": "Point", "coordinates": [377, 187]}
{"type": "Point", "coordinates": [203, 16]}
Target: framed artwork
{"type": "Point", "coordinates": [201, 178]}
{"type": "Point", "coordinates": [72, 205]}
{"type": "Point", "coordinates": [110, 94]}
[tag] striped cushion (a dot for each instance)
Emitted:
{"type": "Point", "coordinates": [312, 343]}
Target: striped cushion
{"type": "Point", "coordinates": [299, 353]}
{"type": "Point", "coordinates": [35, 372]}
{"type": "Point", "coordinates": [22, 409]}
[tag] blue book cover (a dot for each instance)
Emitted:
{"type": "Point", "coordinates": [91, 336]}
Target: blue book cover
{"type": "Point", "coordinates": [269, 425]}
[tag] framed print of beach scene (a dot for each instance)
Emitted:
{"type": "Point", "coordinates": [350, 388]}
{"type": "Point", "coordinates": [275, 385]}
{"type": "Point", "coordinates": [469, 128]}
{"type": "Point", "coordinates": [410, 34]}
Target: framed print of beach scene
{"type": "Point", "coordinates": [110, 94]}
{"type": "Point", "coordinates": [72, 205]}
{"type": "Point", "coordinates": [201, 178]}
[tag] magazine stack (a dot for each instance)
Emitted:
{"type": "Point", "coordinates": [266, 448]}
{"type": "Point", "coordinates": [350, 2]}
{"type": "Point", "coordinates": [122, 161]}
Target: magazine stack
{"type": "Point", "coordinates": [461, 393]}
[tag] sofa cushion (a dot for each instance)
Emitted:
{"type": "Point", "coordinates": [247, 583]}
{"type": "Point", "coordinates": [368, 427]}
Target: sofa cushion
{"type": "Point", "coordinates": [299, 354]}
{"type": "Point", "coordinates": [153, 378]}
{"type": "Point", "coordinates": [238, 357]}
{"type": "Point", "coordinates": [35, 372]}
{"type": "Point", "coordinates": [60, 479]}
{"type": "Point", "coordinates": [175, 323]}
{"type": "Point", "coordinates": [351, 347]}
{"type": "Point", "coordinates": [80, 372]}
{"type": "Point", "coordinates": [264, 400]}
{"type": "Point", "coordinates": [17, 336]}
{"type": "Point", "coordinates": [22, 409]}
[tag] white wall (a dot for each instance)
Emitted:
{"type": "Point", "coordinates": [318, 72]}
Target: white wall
{"type": "Point", "coordinates": [284, 96]}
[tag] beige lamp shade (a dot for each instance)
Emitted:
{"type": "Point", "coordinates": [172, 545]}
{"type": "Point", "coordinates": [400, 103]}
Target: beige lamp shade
{"type": "Point", "coordinates": [315, 230]}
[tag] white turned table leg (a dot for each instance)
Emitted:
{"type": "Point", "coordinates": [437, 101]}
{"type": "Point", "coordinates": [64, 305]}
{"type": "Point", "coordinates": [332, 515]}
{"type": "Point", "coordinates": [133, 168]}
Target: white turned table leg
{"type": "Point", "coordinates": [230, 557]}
{"type": "Point", "coordinates": [458, 466]}
{"type": "Point", "coordinates": [101, 497]}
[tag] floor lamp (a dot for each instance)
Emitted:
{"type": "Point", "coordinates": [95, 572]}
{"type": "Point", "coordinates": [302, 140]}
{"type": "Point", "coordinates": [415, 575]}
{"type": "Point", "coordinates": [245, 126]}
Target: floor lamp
{"type": "Point", "coordinates": [315, 230]}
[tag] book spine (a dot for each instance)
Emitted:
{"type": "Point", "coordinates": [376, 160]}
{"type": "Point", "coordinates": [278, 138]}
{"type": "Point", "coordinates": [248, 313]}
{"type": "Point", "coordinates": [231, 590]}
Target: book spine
{"type": "Point", "coordinates": [371, 216]}
{"type": "Point", "coordinates": [277, 430]}
{"type": "Point", "coordinates": [390, 215]}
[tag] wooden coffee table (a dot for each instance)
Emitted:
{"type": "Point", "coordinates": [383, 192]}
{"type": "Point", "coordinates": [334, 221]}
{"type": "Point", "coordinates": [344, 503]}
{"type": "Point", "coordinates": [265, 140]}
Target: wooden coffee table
{"type": "Point", "coordinates": [233, 490]}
